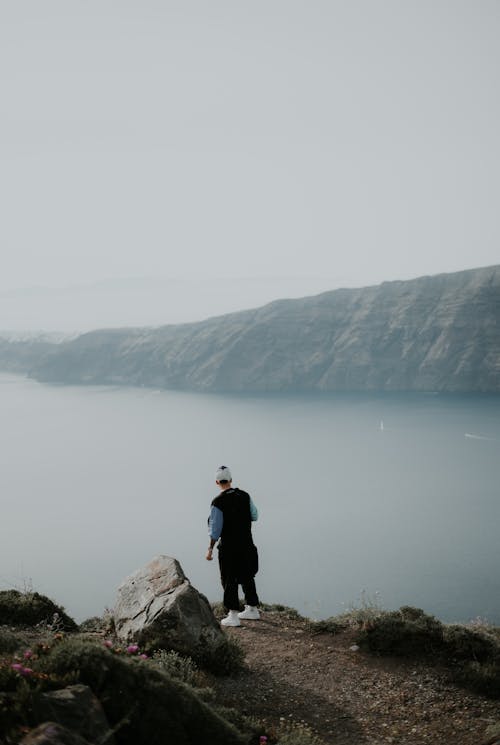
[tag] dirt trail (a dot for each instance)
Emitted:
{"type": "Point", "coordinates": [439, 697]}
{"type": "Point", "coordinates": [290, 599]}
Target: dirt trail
{"type": "Point", "coordinates": [345, 695]}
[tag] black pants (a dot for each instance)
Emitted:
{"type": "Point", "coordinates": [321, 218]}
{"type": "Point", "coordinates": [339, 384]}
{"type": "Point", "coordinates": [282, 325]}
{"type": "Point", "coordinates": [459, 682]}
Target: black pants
{"type": "Point", "coordinates": [234, 572]}
{"type": "Point", "coordinates": [231, 600]}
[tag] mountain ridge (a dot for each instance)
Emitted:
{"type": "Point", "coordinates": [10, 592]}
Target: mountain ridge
{"type": "Point", "coordinates": [433, 333]}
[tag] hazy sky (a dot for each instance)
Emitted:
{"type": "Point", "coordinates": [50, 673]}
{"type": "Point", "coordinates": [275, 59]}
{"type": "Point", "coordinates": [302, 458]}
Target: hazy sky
{"type": "Point", "coordinates": [352, 139]}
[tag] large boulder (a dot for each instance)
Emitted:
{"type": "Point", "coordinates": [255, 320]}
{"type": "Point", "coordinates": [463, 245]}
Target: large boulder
{"type": "Point", "coordinates": [158, 607]}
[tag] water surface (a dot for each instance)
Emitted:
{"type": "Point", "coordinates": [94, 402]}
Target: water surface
{"type": "Point", "coordinates": [395, 494]}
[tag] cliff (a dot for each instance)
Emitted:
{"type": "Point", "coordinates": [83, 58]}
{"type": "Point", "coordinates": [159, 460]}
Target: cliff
{"type": "Point", "coordinates": [439, 333]}
{"type": "Point", "coordinates": [19, 355]}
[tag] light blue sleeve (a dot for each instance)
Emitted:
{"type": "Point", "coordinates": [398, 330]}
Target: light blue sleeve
{"type": "Point", "coordinates": [254, 513]}
{"type": "Point", "coordinates": [215, 523]}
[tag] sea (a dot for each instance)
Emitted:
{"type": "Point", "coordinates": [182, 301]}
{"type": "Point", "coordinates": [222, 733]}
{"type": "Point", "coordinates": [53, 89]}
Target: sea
{"type": "Point", "coordinates": [364, 499]}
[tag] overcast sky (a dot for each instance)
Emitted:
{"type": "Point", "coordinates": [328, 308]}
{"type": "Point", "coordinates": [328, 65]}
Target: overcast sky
{"type": "Point", "coordinates": [356, 140]}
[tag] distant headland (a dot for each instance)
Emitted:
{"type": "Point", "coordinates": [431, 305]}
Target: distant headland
{"type": "Point", "coordinates": [437, 333]}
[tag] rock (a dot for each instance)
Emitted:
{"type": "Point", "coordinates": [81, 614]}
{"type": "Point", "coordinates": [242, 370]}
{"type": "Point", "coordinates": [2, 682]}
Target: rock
{"type": "Point", "coordinates": [51, 733]}
{"type": "Point", "coordinates": [78, 709]}
{"type": "Point", "coordinates": [157, 605]}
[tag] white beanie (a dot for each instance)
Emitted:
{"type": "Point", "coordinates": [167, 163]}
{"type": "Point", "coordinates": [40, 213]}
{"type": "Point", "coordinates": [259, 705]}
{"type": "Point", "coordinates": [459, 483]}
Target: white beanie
{"type": "Point", "coordinates": [223, 474]}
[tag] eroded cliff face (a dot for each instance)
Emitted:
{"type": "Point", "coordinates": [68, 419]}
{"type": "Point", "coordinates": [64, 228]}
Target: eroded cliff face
{"type": "Point", "coordinates": [439, 333]}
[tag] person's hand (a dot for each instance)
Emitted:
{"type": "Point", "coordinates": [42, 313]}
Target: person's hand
{"type": "Point", "coordinates": [209, 556]}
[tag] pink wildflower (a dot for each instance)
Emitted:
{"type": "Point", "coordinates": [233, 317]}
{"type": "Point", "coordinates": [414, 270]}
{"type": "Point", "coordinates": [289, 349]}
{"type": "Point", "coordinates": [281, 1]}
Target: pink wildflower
{"type": "Point", "coordinates": [28, 654]}
{"type": "Point", "coordinates": [144, 657]}
{"type": "Point", "coordinates": [108, 643]}
{"type": "Point", "coordinates": [132, 648]}
{"type": "Point", "coordinates": [25, 671]}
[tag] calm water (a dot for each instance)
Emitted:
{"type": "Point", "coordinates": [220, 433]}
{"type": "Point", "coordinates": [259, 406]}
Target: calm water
{"type": "Point", "coordinates": [396, 495]}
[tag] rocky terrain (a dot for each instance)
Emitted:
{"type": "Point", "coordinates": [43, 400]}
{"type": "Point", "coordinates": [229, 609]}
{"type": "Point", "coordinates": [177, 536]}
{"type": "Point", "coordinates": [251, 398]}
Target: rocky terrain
{"type": "Point", "coordinates": [439, 333]}
{"type": "Point", "coordinates": [159, 668]}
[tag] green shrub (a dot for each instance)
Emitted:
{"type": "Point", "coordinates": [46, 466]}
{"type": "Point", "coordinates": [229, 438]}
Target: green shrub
{"type": "Point", "coordinates": [462, 643]}
{"type": "Point", "coordinates": [93, 624]}
{"type": "Point", "coordinates": [408, 632]}
{"type": "Point", "coordinates": [225, 659]}
{"type": "Point", "coordinates": [19, 691]}
{"type": "Point", "coordinates": [16, 703]}
{"type": "Point", "coordinates": [481, 678]}
{"type": "Point", "coordinates": [471, 655]}
{"type": "Point", "coordinates": [176, 666]}
{"type": "Point", "coordinates": [9, 642]}
{"type": "Point", "coordinates": [329, 625]}
{"type": "Point", "coordinates": [362, 613]}
{"type": "Point", "coordinates": [284, 610]}
{"type": "Point", "coordinates": [30, 608]}
{"type": "Point", "coordinates": [142, 703]}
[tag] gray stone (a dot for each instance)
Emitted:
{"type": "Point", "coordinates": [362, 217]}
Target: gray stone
{"type": "Point", "coordinates": [77, 708]}
{"type": "Point", "coordinates": [158, 605]}
{"type": "Point", "coordinates": [51, 733]}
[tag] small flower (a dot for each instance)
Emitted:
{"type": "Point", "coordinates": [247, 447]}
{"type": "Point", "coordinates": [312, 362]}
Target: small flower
{"type": "Point", "coordinates": [108, 643]}
{"type": "Point", "coordinates": [24, 671]}
{"type": "Point", "coordinates": [144, 656]}
{"type": "Point", "coordinates": [263, 740]}
{"type": "Point", "coordinates": [133, 648]}
{"type": "Point", "coordinates": [28, 654]}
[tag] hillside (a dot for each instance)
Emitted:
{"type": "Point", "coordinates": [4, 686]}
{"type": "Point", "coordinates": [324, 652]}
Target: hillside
{"type": "Point", "coordinates": [439, 333]}
{"type": "Point", "coordinates": [301, 682]}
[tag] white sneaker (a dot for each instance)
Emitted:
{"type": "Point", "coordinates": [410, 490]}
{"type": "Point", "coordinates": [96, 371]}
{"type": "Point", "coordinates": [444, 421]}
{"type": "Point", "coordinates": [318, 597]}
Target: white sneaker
{"type": "Point", "coordinates": [231, 619]}
{"type": "Point", "coordinates": [250, 612]}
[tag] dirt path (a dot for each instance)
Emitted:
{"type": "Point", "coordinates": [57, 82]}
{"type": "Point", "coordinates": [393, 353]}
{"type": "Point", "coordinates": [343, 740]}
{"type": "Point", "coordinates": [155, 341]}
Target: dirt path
{"type": "Point", "coordinates": [347, 696]}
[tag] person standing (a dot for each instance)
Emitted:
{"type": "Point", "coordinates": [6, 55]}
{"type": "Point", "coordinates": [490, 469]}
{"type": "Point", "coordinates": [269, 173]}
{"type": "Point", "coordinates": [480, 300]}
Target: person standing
{"type": "Point", "coordinates": [230, 523]}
